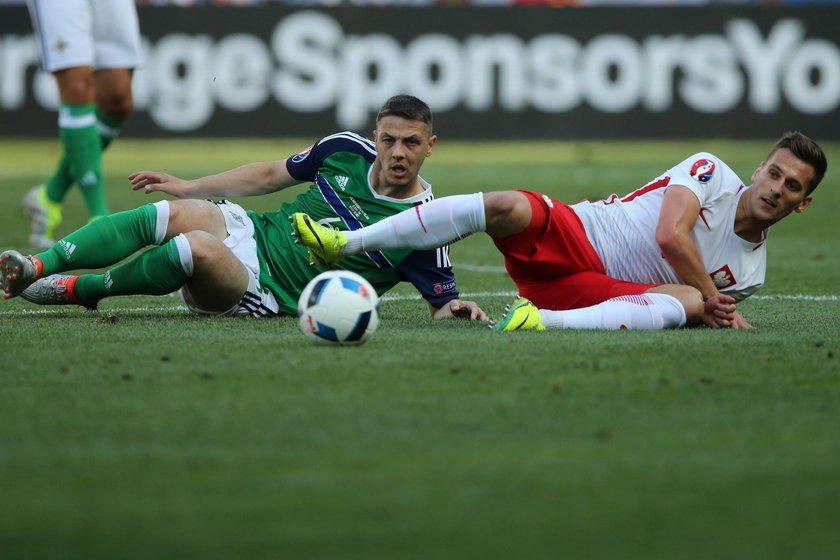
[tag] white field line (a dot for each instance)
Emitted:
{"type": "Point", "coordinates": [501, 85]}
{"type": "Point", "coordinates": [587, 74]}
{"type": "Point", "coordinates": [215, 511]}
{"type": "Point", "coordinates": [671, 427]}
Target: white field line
{"type": "Point", "coordinates": [395, 297]}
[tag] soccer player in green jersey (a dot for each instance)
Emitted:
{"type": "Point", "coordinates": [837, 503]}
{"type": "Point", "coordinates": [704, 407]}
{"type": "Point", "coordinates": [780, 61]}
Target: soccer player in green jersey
{"type": "Point", "coordinates": [225, 260]}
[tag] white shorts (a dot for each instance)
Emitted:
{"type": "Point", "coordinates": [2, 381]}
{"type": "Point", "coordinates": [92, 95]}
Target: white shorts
{"type": "Point", "coordinates": [99, 33]}
{"type": "Point", "coordinates": [257, 302]}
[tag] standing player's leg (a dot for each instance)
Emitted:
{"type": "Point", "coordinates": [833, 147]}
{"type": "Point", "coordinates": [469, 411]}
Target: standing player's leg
{"type": "Point", "coordinates": [113, 104]}
{"type": "Point", "coordinates": [114, 101]}
{"type": "Point", "coordinates": [81, 160]}
{"type": "Point", "coordinates": [80, 137]}
{"type": "Point", "coordinates": [64, 30]}
{"type": "Point", "coordinates": [76, 38]}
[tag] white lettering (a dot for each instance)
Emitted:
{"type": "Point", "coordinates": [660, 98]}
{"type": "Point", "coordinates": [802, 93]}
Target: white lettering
{"type": "Point", "coordinates": [17, 55]}
{"type": "Point", "coordinates": [240, 72]}
{"type": "Point", "coordinates": [764, 60]}
{"type": "Point", "coordinates": [663, 56]}
{"type": "Point", "coordinates": [434, 68]}
{"type": "Point", "coordinates": [487, 57]}
{"type": "Point", "coordinates": [713, 83]}
{"type": "Point", "coordinates": [553, 68]}
{"type": "Point", "coordinates": [806, 95]}
{"type": "Point", "coordinates": [372, 69]}
{"type": "Point", "coordinates": [612, 73]}
{"type": "Point", "coordinates": [306, 45]}
{"type": "Point", "coordinates": [181, 66]}
{"type": "Point", "coordinates": [312, 65]}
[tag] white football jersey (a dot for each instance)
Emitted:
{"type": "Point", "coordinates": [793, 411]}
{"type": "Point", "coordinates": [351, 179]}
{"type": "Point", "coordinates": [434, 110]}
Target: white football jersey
{"type": "Point", "coordinates": [622, 230]}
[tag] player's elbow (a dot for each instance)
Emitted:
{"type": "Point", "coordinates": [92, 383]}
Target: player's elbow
{"type": "Point", "coordinates": [669, 242]}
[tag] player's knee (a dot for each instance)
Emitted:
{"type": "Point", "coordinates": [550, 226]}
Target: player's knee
{"type": "Point", "coordinates": [116, 105]}
{"type": "Point", "coordinates": [178, 214]}
{"type": "Point", "coordinates": [203, 246]}
{"type": "Point", "coordinates": [189, 215]}
{"type": "Point", "coordinates": [692, 301]}
{"type": "Point", "coordinates": [506, 212]}
{"type": "Point", "coordinates": [689, 297]}
{"type": "Point", "coordinates": [76, 89]}
{"type": "Point", "coordinates": [499, 204]}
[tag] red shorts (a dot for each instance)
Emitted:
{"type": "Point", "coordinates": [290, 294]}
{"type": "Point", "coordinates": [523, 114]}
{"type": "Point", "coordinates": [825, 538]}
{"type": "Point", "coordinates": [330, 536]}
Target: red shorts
{"type": "Point", "coordinates": [554, 264]}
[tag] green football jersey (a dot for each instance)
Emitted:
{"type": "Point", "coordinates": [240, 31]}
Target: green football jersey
{"type": "Point", "coordinates": [341, 196]}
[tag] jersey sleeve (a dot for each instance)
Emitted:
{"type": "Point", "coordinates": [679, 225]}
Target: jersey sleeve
{"type": "Point", "coordinates": [304, 166]}
{"type": "Point", "coordinates": [431, 274]}
{"type": "Point", "coordinates": [706, 175]}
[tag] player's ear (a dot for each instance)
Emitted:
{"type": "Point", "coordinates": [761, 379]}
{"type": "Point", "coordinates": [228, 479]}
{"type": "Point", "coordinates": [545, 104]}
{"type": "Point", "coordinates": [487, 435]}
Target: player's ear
{"type": "Point", "coordinates": [757, 170]}
{"type": "Point", "coordinates": [804, 204]}
{"type": "Point", "coordinates": [432, 142]}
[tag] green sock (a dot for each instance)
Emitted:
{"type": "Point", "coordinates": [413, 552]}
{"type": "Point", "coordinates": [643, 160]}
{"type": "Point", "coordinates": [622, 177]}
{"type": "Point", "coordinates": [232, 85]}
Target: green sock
{"type": "Point", "coordinates": [83, 149]}
{"type": "Point", "coordinates": [157, 271]}
{"type": "Point", "coordinates": [108, 128]}
{"type": "Point", "coordinates": [103, 242]}
{"type": "Point", "coordinates": [61, 180]}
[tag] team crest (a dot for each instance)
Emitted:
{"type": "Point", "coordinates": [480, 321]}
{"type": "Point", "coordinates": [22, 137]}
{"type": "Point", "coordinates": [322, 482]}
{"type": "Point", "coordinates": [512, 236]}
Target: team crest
{"type": "Point", "coordinates": [723, 277]}
{"type": "Point", "coordinates": [702, 170]}
{"type": "Point", "coordinates": [302, 156]}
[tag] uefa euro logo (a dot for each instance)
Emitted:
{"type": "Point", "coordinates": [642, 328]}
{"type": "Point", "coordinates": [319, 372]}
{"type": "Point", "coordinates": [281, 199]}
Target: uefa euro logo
{"type": "Point", "coordinates": [302, 156]}
{"type": "Point", "coordinates": [702, 170]}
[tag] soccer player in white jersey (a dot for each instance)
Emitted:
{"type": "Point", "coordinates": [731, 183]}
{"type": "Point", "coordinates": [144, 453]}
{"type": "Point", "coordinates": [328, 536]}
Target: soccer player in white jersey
{"type": "Point", "coordinates": [92, 48]}
{"type": "Point", "coordinates": [681, 250]}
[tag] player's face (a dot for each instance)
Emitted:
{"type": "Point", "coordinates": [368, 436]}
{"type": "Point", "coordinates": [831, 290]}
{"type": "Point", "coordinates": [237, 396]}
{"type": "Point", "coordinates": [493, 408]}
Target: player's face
{"type": "Point", "coordinates": [779, 187]}
{"type": "Point", "coordinates": [401, 145]}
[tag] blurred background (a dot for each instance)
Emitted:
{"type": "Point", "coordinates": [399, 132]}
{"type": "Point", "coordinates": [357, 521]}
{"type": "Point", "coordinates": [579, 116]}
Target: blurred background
{"type": "Point", "coordinates": [506, 69]}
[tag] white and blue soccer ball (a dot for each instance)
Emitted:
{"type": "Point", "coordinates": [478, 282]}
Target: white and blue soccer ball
{"type": "Point", "coordinates": [338, 307]}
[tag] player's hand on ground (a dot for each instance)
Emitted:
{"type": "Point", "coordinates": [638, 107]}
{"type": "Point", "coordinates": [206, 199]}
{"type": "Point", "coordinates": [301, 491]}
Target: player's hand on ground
{"type": "Point", "coordinates": [153, 181]}
{"type": "Point", "coordinates": [461, 309]}
{"type": "Point", "coordinates": [719, 312]}
{"type": "Point", "coordinates": [740, 323]}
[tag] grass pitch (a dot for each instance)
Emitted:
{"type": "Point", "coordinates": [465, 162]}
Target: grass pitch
{"type": "Point", "coordinates": [141, 431]}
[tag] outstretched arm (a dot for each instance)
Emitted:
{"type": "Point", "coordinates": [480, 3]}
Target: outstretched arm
{"type": "Point", "coordinates": [677, 217]}
{"type": "Point", "coordinates": [248, 180]}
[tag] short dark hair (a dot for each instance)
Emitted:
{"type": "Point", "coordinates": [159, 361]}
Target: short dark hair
{"type": "Point", "coordinates": [407, 107]}
{"type": "Point", "coordinates": [808, 151]}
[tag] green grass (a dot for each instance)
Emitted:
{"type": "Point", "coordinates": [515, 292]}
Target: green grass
{"type": "Point", "coordinates": [141, 431]}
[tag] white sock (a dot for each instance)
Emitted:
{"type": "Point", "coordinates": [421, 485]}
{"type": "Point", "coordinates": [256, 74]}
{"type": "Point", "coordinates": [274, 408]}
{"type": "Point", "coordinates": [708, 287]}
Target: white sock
{"type": "Point", "coordinates": [426, 226]}
{"type": "Point", "coordinates": [649, 311]}
{"type": "Point", "coordinates": [184, 253]}
{"type": "Point", "coordinates": [162, 220]}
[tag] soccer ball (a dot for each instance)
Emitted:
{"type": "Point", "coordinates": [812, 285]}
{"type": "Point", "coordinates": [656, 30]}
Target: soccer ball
{"type": "Point", "coordinates": [338, 307]}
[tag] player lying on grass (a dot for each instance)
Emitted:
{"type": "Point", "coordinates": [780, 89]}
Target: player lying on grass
{"type": "Point", "coordinates": [682, 250]}
{"type": "Point", "coordinates": [226, 261]}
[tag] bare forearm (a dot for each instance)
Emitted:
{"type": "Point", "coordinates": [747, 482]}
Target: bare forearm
{"type": "Point", "coordinates": [683, 256]}
{"type": "Point", "coordinates": [247, 180]}
{"type": "Point", "coordinates": [677, 217]}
